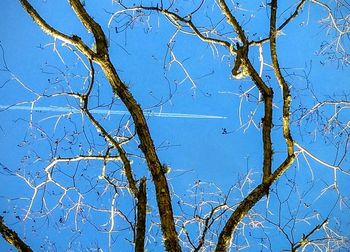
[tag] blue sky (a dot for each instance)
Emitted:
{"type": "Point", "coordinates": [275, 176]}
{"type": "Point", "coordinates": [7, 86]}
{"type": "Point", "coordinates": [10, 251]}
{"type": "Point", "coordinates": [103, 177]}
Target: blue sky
{"type": "Point", "coordinates": [195, 148]}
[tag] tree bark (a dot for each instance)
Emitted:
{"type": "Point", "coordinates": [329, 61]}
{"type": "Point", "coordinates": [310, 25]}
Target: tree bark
{"type": "Point", "coordinates": [12, 237]}
{"type": "Point", "coordinates": [101, 57]}
{"type": "Point", "coordinates": [141, 217]}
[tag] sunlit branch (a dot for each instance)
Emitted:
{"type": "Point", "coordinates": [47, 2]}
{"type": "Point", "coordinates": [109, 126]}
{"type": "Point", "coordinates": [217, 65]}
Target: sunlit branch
{"type": "Point", "coordinates": [92, 26]}
{"type": "Point", "coordinates": [242, 58]}
{"type": "Point", "coordinates": [282, 82]}
{"type": "Point", "coordinates": [233, 22]}
{"type": "Point", "coordinates": [188, 76]}
{"type": "Point", "coordinates": [49, 178]}
{"type": "Point", "coordinates": [318, 105]}
{"type": "Point", "coordinates": [112, 222]}
{"type": "Point", "coordinates": [202, 217]}
{"type": "Point", "coordinates": [208, 222]}
{"type": "Point", "coordinates": [334, 23]}
{"type": "Point", "coordinates": [247, 204]}
{"type": "Point", "coordinates": [73, 40]}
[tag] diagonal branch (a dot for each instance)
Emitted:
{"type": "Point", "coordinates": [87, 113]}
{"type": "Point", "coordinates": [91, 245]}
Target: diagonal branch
{"type": "Point", "coordinates": [292, 16]}
{"type": "Point", "coordinates": [12, 237]}
{"type": "Point", "coordinates": [92, 26]}
{"type": "Point", "coordinates": [233, 21]}
{"type": "Point", "coordinates": [73, 40]}
{"type": "Point", "coordinates": [305, 238]}
{"type": "Point", "coordinates": [115, 144]}
{"type": "Point", "coordinates": [147, 146]}
{"type": "Point", "coordinates": [284, 24]}
{"type": "Point", "coordinates": [84, 100]}
{"type": "Point", "coordinates": [247, 204]}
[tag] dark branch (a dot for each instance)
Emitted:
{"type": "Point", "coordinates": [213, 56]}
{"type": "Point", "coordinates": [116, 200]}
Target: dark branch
{"type": "Point", "coordinates": [305, 239]}
{"type": "Point", "coordinates": [141, 216]}
{"type": "Point", "coordinates": [12, 237]}
{"type": "Point", "coordinates": [285, 23]}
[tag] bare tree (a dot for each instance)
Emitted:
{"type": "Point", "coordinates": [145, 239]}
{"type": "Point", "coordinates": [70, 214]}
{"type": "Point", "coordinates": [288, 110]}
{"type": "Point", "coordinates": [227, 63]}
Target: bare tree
{"type": "Point", "coordinates": [93, 171]}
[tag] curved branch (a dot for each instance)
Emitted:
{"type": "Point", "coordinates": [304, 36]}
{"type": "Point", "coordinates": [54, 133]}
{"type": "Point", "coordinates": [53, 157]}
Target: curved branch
{"type": "Point", "coordinates": [282, 82]}
{"type": "Point", "coordinates": [247, 204]}
{"type": "Point", "coordinates": [147, 146]}
{"type": "Point", "coordinates": [73, 40]}
{"type": "Point", "coordinates": [84, 100]}
{"type": "Point", "coordinates": [233, 21]}
{"type": "Point", "coordinates": [92, 26]}
{"type": "Point", "coordinates": [176, 20]}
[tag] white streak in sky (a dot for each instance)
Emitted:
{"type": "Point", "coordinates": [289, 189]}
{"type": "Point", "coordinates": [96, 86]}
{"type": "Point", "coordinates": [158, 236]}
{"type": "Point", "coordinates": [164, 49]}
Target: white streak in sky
{"type": "Point", "coordinates": [110, 112]}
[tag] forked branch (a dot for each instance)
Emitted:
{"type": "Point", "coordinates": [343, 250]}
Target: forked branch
{"type": "Point", "coordinates": [147, 146]}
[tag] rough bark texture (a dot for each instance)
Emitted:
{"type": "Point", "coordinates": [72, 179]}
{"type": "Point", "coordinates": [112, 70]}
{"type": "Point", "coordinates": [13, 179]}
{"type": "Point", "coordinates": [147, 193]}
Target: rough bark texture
{"type": "Point", "coordinates": [247, 204]}
{"type": "Point", "coordinates": [147, 147]}
{"type": "Point", "coordinates": [282, 82]}
{"type": "Point", "coordinates": [101, 57]}
{"type": "Point", "coordinates": [12, 237]}
{"type": "Point", "coordinates": [267, 94]}
{"type": "Point", "coordinates": [141, 217]}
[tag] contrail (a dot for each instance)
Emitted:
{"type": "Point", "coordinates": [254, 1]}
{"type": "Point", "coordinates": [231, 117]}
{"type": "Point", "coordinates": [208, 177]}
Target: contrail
{"type": "Point", "coordinates": [106, 111]}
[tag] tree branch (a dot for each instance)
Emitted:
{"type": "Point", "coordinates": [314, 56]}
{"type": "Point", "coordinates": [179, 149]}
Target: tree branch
{"type": "Point", "coordinates": [12, 237]}
{"type": "Point", "coordinates": [233, 22]}
{"type": "Point", "coordinates": [141, 216]}
{"type": "Point", "coordinates": [84, 99]}
{"type": "Point", "coordinates": [282, 82]}
{"type": "Point", "coordinates": [92, 26]}
{"type": "Point", "coordinates": [305, 239]}
{"type": "Point", "coordinates": [161, 185]}
{"type": "Point", "coordinates": [73, 40]}
{"type": "Point", "coordinates": [176, 20]}
{"type": "Point", "coordinates": [153, 162]}
{"type": "Point", "coordinates": [247, 204]}
{"type": "Point", "coordinates": [285, 23]}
